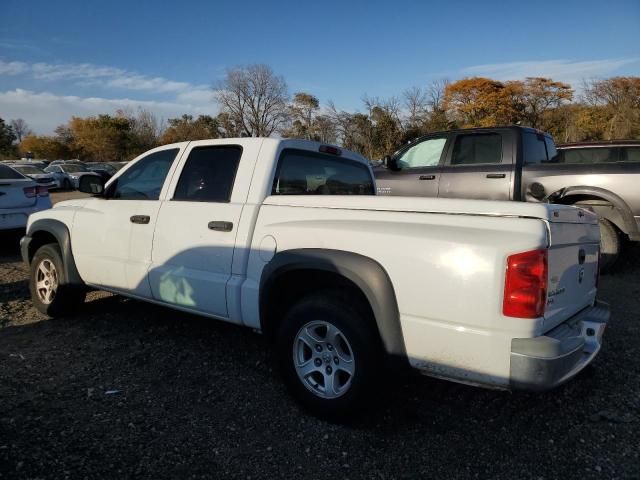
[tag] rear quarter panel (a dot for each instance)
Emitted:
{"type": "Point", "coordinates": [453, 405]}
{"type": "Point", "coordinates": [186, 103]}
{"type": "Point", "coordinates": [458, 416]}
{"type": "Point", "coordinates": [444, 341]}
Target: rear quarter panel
{"type": "Point", "coordinates": [447, 272]}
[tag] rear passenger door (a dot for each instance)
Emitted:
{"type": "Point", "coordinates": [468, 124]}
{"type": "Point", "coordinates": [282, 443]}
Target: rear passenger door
{"type": "Point", "coordinates": [418, 170]}
{"type": "Point", "coordinates": [479, 165]}
{"type": "Point", "coordinates": [193, 244]}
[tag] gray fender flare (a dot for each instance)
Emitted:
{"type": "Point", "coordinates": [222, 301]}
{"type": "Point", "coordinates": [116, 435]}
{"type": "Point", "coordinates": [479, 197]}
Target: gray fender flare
{"type": "Point", "coordinates": [629, 225]}
{"type": "Point", "coordinates": [61, 233]}
{"type": "Point", "coordinates": [367, 274]}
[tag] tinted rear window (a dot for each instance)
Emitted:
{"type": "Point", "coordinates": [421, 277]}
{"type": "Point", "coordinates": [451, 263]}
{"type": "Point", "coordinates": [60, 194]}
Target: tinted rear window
{"type": "Point", "coordinates": [209, 174]}
{"type": "Point", "coordinates": [588, 155]}
{"type": "Point", "coordinates": [630, 154]}
{"type": "Point", "coordinates": [301, 172]}
{"type": "Point", "coordinates": [7, 173]}
{"type": "Point", "coordinates": [477, 149]}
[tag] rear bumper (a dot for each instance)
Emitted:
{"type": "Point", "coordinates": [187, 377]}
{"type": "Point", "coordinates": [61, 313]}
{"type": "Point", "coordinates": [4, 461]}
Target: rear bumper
{"type": "Point", "coordinates": [542, 363]}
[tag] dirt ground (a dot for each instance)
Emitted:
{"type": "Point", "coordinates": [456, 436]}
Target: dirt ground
{"type": "Point", "coordinates": [125, 389]}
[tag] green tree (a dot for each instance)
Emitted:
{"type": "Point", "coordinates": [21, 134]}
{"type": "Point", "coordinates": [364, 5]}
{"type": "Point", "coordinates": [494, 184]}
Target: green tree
{"type": "Point", "coordinates": [187, 128]}
{"type": "Point", "coordinates": [7, 137]}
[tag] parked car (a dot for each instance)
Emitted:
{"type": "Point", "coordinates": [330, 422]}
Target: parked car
{"type": "Point", "coordinates": [105, 170]}
{"type": "Point", "coordinates": [522, 164]}
{"type": "Point", "coordinates": [117, 165]}
{"type": "Point", "coordinates": [68, 174]}
{"type": "Point", "coordinates": [19, 197]}
{"type": "Point", "coordinates": [37, 175]}
{"type": "Point", "coordinates": [287, 237]}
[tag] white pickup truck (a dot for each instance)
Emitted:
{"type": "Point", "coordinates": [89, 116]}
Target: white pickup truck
{"type": "Point", "coordinates": [287, 237]}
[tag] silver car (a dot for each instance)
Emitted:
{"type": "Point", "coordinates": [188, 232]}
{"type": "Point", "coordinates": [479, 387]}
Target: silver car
{"type": "Point", "coordinates": [37, 175]}
{"type": "Point", "coordinates": [68, 174]}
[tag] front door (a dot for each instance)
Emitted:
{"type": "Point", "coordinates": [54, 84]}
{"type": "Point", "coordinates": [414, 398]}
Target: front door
{"type": "Point", "coordinates": [112, 235]}
{"type": "Point", "coordinates": [194, 239]}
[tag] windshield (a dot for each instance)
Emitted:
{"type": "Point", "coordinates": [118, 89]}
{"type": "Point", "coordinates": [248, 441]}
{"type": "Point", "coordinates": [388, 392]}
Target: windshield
{"type": "Point", "coordinates": [69, 168]}
{"type": "Point", "coordinates": [28, 170]}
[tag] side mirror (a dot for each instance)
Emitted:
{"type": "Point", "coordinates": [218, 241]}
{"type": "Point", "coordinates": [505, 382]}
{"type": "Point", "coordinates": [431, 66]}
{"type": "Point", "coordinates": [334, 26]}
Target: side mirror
{"type": "Point", "coordinates": [93, 184]}
{"type": "Point", "coordinates": [390, 162]}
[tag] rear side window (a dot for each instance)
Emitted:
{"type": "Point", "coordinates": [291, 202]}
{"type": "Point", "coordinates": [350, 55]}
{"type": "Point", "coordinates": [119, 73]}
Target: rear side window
{"type": "Point", "coordinates": [534, 148]}
{"type": "Point", "coordinates": [209, 174]}
{"type": "Point", "coordinates": [630, 154]}
{"type": "Point", "coordinates": [302, 172]}
{"type": "Point", "coordinates": [8, 173]}
{"type": "Point", "coordinates": [477, 149]}
{"type": "Point", "coordinates": [588, 155]}
{"type": "Point", "coordinates": [144, 179]}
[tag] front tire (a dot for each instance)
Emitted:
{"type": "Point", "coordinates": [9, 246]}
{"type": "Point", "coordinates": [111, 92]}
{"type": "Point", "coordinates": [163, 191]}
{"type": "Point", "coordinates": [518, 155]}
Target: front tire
{"type": "Point", "coordinates": [330, 355]}
{"type": "Point", "coordinates": [610, 245]}
{"type": "Point", "coordinates": [66, 184]}
{"type": "Point", "coordinates": [51, 293]}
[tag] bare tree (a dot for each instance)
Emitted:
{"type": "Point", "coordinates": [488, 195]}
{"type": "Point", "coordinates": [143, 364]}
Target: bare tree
{"type": "Point", "coordinates": [20, 129]}
{"type": "Point", "coordinates": [255, 98]}
{"type": "Point", "coordinates": [435, 94]}
{"type": "Point", "coordinates": [416, 106]}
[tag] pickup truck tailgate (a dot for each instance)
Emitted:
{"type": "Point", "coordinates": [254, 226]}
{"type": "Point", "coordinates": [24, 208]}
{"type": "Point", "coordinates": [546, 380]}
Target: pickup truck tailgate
{"type": "Point", "coordinates": [573, 264]}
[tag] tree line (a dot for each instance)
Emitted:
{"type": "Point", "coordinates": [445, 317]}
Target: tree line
{"type": "Point", "coordinates": [254, 101]}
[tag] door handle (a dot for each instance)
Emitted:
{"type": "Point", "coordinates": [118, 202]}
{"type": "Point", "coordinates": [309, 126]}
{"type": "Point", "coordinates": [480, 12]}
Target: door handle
{"type": "Point", "coordinates": [427, 177]}
{"type": "Point", "coordinates": [496, 175]}
{"type": "Point", "coordinates": [140, 219]}
{"type": "Point", "coordinates": [220, 226]}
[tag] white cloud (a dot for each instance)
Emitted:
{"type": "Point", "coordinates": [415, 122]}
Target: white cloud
{"type": "Point", "coordinates": [569, 71]}
{"type": "Point", "coordinates": [44, 111]}
{"type": "Point", "coordinates": [87, 74]}
{"type": "Point", "coordinates": [12, 68]}
{"type": "Point", "coordinates": [196, 96]}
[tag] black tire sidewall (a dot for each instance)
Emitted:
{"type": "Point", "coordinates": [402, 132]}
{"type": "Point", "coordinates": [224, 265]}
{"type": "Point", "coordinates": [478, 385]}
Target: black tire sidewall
{"type": "Point", "coordinates": [610, 245]}
{"type": "Point", "coordinates": [356, 327]}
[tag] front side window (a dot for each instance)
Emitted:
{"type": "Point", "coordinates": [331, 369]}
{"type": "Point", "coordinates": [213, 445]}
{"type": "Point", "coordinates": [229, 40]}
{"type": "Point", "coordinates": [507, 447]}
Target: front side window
{"type": "Point", "coordinates": [208, 174]}
{"type": "Point", "coordinates": [588, 155]}
{"type": "Point", "coordinates": [424, 154]}
{"type": "Point", "coordinates": [534, 148]}
{"type": "Point", "coordinates": [144, 180]}
{"type": "Point", "coordinates": [302, 172]}
{"type": "Point", "coordinates": [477, 149]}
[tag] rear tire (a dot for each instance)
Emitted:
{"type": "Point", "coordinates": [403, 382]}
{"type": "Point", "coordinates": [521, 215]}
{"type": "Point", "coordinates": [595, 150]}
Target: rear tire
{"type": "Point", "coordinates": [610, 245]}
{"type": "Point", "coordinates": [66, 184]}
{"type": "Point", "coordinates": [330, 356]}
{"type": "Point", "coordinates": [51, 293]}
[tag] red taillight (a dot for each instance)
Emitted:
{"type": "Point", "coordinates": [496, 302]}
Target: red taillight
{"type": "Point", "coordinates": [525, 285]}
{"type": "Point", "coordinates": [43, 192]}
{"type": "Point", "coordinates": [330, 150]}
{"type": "Point", "coordinates": [30, 192]}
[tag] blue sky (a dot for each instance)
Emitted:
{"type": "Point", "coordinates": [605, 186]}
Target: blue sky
{"type": "Point", "coordinates": [65, 58]}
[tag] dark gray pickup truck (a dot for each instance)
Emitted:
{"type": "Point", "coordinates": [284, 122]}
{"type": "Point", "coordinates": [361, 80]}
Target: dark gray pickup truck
{"type": "Point", "coordinates": [523, 164]}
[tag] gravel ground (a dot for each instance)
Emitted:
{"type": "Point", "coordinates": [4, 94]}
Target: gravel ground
{"type": "Point", "coordinates": [126, 389]}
